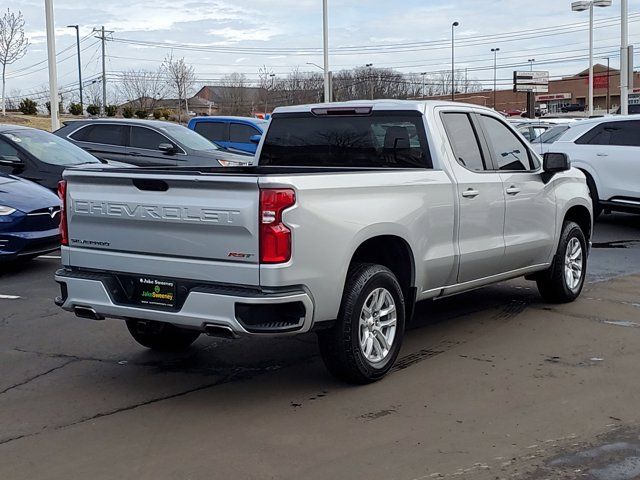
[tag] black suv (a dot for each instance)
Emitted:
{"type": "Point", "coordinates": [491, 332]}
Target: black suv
{"type": "Point", "coordinates": [148, 143]}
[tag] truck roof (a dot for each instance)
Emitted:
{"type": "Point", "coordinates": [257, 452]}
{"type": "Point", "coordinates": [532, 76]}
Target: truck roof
{"type": "Point", "coordinates": [417, 105]}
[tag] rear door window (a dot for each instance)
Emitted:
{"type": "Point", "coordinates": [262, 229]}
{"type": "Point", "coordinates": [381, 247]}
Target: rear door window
{"type": "Point", "coordinates": [382, 139]}
{"type": "Point", "coordinates": [622, 134]}
{"type": "Point", "coordinates": [464, 141]}
{"type": "Point", "coordinates": [107, 134]}
{"type": "Point", "coordinates": [213, 131]}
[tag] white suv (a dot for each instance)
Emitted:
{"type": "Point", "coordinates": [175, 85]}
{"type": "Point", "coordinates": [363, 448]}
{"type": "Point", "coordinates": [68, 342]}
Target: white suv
{"type": "Point", "coordinates": [607, 150]}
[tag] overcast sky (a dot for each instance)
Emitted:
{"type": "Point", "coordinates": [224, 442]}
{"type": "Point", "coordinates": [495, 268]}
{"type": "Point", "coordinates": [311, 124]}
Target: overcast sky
{"type": "Point", "coordinates": [297, 24]}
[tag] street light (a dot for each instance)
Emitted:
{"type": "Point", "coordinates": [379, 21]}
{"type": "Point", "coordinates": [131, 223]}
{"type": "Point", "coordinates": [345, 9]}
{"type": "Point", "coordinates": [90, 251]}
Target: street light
{"type": "Point", "coordinates": [495, 74]}
{"type": "Point", "coordinates": [531, 60]}
{"type": "Point", "coordinates": [370, 66]}
{"type": "Point", "coordinates": [51, 59]}
{"type": "Point", "coordinates": [581, 6]}
{"type": "Point", "coordinates": [453, 61]}
{"type": "Point", "coordinates": [424, 76]}
{"type": "Point", "coordinates": [77, 27]}
{"type": "Point", "coordinates": [325, 47]}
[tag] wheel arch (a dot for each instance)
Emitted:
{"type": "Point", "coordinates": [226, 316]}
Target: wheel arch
{"type": "Point", "coordinates": [395, 253]}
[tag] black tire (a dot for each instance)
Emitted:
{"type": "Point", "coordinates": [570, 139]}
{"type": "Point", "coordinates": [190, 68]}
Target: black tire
{"type": "Point", "coordinates": [340, 345]}
{"type": "Point", "coordinates": [552, 283]}
{"type": "Point", "coordinates": [593, 193]}
{"type": "Point", "coordinates": [163, 337]}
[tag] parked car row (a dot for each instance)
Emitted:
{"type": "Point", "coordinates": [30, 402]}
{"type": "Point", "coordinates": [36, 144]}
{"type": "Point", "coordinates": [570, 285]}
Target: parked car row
{"type": "Point", "coordinates": [32, 162]}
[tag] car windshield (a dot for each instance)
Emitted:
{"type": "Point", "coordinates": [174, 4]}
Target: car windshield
{"type": "Point", "coordinates": [189, 138]}
{"type": "Point", "coordinates": [552, 134]}
{"type": "Point", "coordinates": [49, 148]}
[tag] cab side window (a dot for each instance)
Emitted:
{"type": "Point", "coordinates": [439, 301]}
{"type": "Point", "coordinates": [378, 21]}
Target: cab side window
{"type": "Point", "coordinates": [508, 150]}
{"type": "Point", "coordinates": [241, 133]}
{"type": "Point", "coordinates": [464, 141]}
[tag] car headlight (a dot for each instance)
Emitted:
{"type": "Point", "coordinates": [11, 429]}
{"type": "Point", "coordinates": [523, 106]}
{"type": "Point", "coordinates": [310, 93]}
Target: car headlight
{"type": "Point", "coordinates": [229, 163]}
{"type": "Point", "coordinates": [4, 211]}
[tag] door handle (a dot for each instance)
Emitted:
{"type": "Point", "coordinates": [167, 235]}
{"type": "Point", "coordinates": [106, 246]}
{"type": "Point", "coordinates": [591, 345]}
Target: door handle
{"type": "Point", "coordinates": [602, 154]}
{"type": "Point", "coordinates": [470, 193]}
{"type": "Point", "coordinates": [513, 190]}
{"type": "Point", "coordinates": [134, 154]}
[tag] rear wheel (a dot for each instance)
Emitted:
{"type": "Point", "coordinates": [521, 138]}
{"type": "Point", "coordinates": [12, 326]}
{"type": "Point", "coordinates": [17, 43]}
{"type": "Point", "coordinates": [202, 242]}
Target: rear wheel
{"type": "Point", "coordinates": [563, 281]}
{"type": "Point", "coordinates": [364, 343]}
{"type": "Point", "coordinates": [161, 336]}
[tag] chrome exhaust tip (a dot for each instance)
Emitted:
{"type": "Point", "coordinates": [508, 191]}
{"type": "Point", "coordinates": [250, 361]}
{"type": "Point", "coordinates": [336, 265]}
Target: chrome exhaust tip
{"type": "Point", "coordinates": [87, 312]}
{"type": "Point", "coordinates": [220, 331]}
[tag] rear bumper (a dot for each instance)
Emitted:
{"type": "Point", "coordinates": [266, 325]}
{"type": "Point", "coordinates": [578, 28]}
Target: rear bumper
{"type": "Point", "coordinates": [245, 311]}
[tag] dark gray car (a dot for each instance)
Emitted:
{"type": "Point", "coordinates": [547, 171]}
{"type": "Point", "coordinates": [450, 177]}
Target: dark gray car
{"type": "Point", "coordinates": [148, 143]}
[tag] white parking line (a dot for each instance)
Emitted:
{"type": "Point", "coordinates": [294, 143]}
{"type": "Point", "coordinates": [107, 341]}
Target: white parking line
{"type": "Point", "coordinates": [9, 297]}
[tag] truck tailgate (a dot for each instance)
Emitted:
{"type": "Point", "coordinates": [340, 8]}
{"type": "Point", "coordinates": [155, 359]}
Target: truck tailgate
{"type": "Point", "coordinates": [203, 226]}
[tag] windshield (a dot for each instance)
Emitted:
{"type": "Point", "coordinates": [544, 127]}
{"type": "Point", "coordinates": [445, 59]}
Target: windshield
{"type": "Point", "coordinates": [552, 134]}
{"type": "Point", "coordinates": [189, 138]}
{"type": "Point", "coordinates": [380, 139]}
{"type": "Point", "coordinates": [50, 149]}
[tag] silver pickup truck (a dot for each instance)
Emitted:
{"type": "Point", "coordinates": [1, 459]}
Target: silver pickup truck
{"type": "Point", "coordinates": [354, 212]}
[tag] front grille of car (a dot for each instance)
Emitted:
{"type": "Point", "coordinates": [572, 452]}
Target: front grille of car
{"type": "Point", "coordinates": [41, 220]}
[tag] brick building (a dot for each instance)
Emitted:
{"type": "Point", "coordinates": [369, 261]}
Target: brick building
{"type": "Point", "coordinates": [572, 89]}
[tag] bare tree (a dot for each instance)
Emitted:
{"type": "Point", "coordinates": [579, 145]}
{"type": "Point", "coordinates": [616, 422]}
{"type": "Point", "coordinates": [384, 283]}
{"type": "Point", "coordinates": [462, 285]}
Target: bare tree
{"type": "Point", "coordinates": [234, 95]}
{"type": "Point", "coordinates": [182, 79]}
{"type": "Point", "coordinates": [144, 88]}
{"type": "Point", "coordinates": [13, 44]}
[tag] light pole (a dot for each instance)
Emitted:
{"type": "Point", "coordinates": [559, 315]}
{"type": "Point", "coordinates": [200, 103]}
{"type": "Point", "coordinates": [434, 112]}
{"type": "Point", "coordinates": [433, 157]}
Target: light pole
{"type": "Point", "coordinates": [624, 59]}
{"type": "Point", "coordinates": [453, 61]}
{"type": "Point", "coordinates": [581, 6]}
{"type": "Point", "coordinates": [51, 57]}
{"type": "Point", "coordinates": [424, 76]}
{"type": "Point", "coordinates": [77, 27]}
{"type": "Point", "coordinates": [531, 60]}
{"type": "Point", "coordinates": [325, 36]}
{"type": "Point", "coordinates": [495, 74]}
{"type": "Point", "coordinates": [370, 66]}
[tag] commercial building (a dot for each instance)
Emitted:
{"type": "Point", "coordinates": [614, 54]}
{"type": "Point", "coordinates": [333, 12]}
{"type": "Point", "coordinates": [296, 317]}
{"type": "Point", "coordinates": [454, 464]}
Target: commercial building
{"type": "Point", "coordinates": [571, 89]}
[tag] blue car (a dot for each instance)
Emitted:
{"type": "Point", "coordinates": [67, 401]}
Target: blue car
{"type": "Point", "coordinates": [29, 219]}
{"type": "Point", "coordinates": [234, 133]}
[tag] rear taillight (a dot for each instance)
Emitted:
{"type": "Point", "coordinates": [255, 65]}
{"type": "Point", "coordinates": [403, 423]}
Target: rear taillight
{"type": "Point", "coordinates": [275, 236]}
{"type": "Point", "coordinates": [62, 193]}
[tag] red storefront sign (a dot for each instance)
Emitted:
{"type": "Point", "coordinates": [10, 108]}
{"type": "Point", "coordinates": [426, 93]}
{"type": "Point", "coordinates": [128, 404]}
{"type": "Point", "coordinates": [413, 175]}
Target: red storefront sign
{"type": "Point", "coordinates": [599, 81]}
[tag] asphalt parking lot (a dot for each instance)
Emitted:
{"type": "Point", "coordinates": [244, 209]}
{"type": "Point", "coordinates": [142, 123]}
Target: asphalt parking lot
{"type": "Point", "coordinates": [491, 384]}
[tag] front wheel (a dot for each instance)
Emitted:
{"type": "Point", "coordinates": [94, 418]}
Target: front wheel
{"type": "Point", "coordinates": [365, 341]}
{"type": "Point", "coordinates": [563, 281]}
{"type": "Point", "coordinates": [160, 336]}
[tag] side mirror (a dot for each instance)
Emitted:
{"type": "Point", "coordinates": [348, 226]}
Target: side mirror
{"type": "Point", "coordinates": [556, 162]}
{"type": "Point", "coordinates": [167, 148]}
{"type": "Point", "coordinates": [10, 161]}
{"type": "Point", "coordinates": [255, 139]}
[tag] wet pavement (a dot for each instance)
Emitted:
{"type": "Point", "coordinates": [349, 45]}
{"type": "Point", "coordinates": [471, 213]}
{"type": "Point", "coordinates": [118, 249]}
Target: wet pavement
{"type": "Point", "coordinates": [490, 384]}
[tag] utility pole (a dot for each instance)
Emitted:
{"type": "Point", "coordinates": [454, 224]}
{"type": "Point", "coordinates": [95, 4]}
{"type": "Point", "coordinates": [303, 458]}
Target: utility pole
{"type": "Point", "coordinates": [102, 37]}
{"type": "Point", "coordinates": [77, 27]}
{"type": "Point", "coordinates": [325, 38]}
{"type": "Point", "coordinates": [608, 85]}
{"type": "Point", "coordinates": [51, 57]}
{"type": "Point", "coordinates": [369, 66]}
{"type": "Point", "coordinates": [424, 75]}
